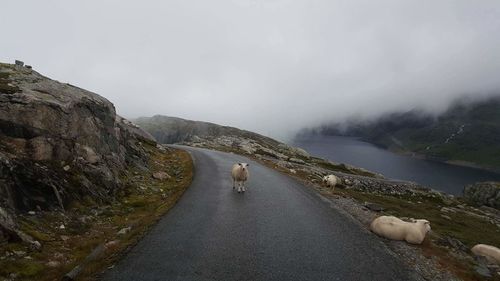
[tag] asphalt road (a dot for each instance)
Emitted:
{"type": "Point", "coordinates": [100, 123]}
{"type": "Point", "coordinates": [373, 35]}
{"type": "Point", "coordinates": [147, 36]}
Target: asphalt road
{"type": "Point", "coordinates": [277, 230]}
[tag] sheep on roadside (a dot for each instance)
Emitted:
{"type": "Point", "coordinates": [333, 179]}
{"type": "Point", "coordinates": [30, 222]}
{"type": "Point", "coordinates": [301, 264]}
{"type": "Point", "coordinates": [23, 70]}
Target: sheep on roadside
{"type": "Point", "coordinates": [240, 176]}
{"type": "Point", "coordinates": [394, 228]}
{"type": "Point", "coordinates": [331, 181]}
{"type": "Point", "coordinates": [491, 253]}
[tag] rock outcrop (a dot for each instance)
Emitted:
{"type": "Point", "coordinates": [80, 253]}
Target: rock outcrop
{"type": "Point", "coordinates": [483, 194]}
{"type": "Point", "coordinates": [60, 143]}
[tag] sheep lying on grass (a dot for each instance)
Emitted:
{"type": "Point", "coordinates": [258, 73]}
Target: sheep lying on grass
{"type": "Point", "coordinates": [492, 254]}
{"type": "Point", "coordinates": [240, 176]}
{"type": "Point", "coordinates": [396, 229]}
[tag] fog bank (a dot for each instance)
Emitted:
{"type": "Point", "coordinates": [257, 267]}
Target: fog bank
{"type": "Point", "coordinates": [269, 66]}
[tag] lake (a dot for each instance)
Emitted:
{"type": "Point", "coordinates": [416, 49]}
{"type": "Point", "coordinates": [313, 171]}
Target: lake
{"type": "Point", "coordinates": [440, 176]}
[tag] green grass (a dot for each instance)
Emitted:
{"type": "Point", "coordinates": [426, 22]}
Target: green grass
{"type": "Point", "coordinates": [31, 230]}
{"type": "Point", "coordinates": [462, 226]}
{"type": "Point", "coordinates": [468, 229]}
{"type": "Point", "coordinates": [24, 268]}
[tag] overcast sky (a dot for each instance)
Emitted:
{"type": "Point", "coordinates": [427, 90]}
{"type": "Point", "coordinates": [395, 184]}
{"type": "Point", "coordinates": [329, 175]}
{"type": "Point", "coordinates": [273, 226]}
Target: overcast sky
{"type": "Point", "coordinates": [270, 66]}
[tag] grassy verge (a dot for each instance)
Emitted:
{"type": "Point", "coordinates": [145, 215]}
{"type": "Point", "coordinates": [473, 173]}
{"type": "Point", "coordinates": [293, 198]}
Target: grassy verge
{"type": "Point", "coordinates": [69, 237]}
{"type": "Point", "coordinates": [461, 225]}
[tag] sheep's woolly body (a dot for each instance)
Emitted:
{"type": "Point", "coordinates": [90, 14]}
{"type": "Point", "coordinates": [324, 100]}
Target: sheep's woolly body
{"type": "Point", "coordinates": [240, 175]}
{"type": "Point", "coordinates": [396, 229]}
{"type": "Point", "coordinates": [491, 253]}
{"type": "Point", "coordinates": [331, 181]}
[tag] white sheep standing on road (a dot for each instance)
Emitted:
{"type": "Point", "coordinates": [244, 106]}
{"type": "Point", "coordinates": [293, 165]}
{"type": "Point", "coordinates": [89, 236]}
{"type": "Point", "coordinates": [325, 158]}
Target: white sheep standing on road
{"type": "Point", "coordinates": [491, 253]}
{"type": "Point", "coordinates": [331, 181]}
{"type": "Point", "coordinates": [240, 176]}
{"type": "Point", "coordinates": [394, 228]}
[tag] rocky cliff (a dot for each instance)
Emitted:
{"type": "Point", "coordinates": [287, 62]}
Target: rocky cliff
{"type": "Point", "coordinates": [59, 143]}
{"type": "Point", "coordinates": [483, 194]}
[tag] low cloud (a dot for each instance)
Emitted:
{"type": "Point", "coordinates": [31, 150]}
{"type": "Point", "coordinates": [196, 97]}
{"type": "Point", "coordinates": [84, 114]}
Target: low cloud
{"type": "Point", "coordinates": [269, 66]}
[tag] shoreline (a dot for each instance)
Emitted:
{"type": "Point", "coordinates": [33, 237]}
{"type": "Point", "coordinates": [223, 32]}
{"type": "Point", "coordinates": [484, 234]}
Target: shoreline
{"type": "Point", "coordinates": [458, 163]}
{"type": "Point", "coordinates": [401, 151]}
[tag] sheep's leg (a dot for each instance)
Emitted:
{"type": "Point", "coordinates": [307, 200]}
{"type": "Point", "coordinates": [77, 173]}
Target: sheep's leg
{"type": "Point", "coordinates": [243, 186]}
{"type": "Point", "coordinates": [239, 186]}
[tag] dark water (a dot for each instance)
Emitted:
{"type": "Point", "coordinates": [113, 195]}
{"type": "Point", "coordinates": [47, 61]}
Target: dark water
{"type": "Point", "coordinates": [440, 176]}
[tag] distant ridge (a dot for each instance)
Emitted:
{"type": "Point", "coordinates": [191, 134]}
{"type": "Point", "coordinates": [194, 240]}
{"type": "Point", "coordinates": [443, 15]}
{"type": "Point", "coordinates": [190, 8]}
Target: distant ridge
{"type": "Point", "coordinates": [468, 133]}
{"type": "Point", "coordinates": [169, 130]}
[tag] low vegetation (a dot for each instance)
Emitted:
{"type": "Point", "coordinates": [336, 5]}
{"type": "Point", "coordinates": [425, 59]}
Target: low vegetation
{"type": "Point", "coordinates": [68, 237]}
{"type": "Point", "coordinates": [462, 224]}
{"type": "Point", "coordinates": [5, 83]}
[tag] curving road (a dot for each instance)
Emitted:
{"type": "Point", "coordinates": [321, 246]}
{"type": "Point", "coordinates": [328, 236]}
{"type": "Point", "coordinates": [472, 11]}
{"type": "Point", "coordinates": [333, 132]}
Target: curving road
{"type": "Point", "coordinates": [277, 230]}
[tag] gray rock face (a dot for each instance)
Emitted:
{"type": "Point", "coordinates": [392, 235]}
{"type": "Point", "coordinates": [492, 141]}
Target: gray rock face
{"type": "Point", "coordinates": [483, 193]}
{"type": "Point", "coordinates": [452, 243]}
{"type": "Point", "coordinates": [59, 143]}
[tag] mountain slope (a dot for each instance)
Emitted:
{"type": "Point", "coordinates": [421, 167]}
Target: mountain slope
{"type": "Point", "coordinates": [73, 176]}
{"type": "Point", "coordinates": [176, 130]}
{"type": "Point", "coordinates": [467, 133]}
{"type": "Point", "coordinates": [168, 129]}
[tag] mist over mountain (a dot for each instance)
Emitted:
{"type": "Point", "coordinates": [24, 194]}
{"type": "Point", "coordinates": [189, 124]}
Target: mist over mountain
{"type": "Point", "coordinates": [467, 132]}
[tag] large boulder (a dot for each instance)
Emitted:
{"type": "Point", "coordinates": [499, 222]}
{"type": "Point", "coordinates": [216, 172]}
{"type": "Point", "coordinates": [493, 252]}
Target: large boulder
{"type": "Point", "coordinates": [59, 143]}
{"type": "Point", "coordinates": [483, 193]}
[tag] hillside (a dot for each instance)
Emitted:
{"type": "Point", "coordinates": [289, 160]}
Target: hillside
{"type": "Point", "coordinates": [208, 135]}
{"type": "Point", "coordinates": [467, 133]}
{"type": "Point", "coordinates": [72, 174]}
{"type": "Point", "coordinates": [175, 130]}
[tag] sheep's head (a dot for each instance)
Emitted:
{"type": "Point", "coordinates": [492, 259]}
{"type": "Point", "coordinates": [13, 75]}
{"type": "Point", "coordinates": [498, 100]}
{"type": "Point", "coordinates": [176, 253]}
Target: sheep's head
{"type": "Point", "coordinates": [325, 179]}
{"type": "Point", "coordinates": [425, 223]}
{"type": "Point", "coordinates": [244, 166]}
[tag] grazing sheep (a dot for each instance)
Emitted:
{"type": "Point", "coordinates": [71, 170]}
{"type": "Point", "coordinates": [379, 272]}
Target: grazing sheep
{"type": "Point", "coordinates": [393, 228]}
{"type": "Point", "coordinates": [331, 181]}
{"type": "Point", "coordinates": [492, 254]}
{"type": "Point", "coordinates": [240, 176]}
